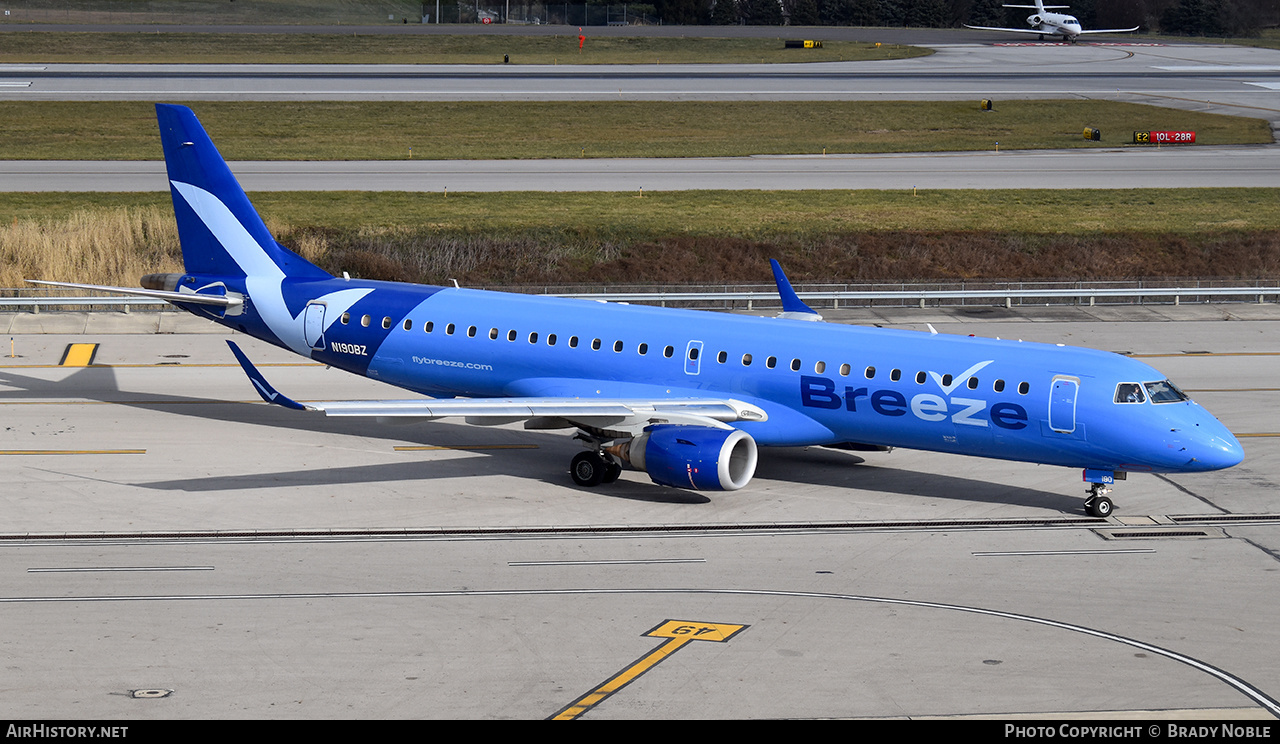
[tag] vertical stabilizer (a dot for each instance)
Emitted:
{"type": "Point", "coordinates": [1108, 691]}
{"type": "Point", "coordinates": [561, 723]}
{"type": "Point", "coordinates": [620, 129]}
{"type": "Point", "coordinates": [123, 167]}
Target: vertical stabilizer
{"type": "Point", "coordinates": [220, 231]}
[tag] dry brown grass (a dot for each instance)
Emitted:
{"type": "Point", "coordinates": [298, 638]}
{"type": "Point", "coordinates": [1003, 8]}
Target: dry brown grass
{"type": "Point", "coordinates": [404, 254]}
{"type": "Point", "coordinates": [101, 246]}
{"type": "Point", "coordinates": [116, 245]}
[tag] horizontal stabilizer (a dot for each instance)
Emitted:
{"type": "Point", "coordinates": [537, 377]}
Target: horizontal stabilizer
{"type": "Point", "coordinates": [190, 298]}
{"type": "Point", "coordinates": [268, 393]}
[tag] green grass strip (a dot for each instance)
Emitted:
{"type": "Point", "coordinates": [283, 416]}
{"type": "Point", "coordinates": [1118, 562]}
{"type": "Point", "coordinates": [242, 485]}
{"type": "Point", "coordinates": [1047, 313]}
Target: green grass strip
{"type": "Point", "coordinates": [375, 130]}
{"type": "Point", "coordinates": [770, 215]}
{"type": "Point", "coordinates": [428, 49]}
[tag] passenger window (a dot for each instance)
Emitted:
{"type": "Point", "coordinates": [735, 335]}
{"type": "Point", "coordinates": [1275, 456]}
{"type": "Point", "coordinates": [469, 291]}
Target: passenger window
{"type": "Point", "coordinates": [408, 324]}
{"type": "Point", "coordinates": [365, 320]}
{"type": "Point", "coordinates": [346, 318]}
{"type": "Point", "coordinates": [998, 386]}
{"type": "Point", "coordinates": [746, 360]}
{"type": "Point", "coordinates": [386, 324]}
{"type": "Point", "coordinates": [722, 357]}
{"type": "Point", "coordinates": [771, 362]}
{"type": "Point", "coordinates": [693, 353]}
{"type": "Point", "coordinates": [895, 375]}
{"type": "Point", "coordinates": [820, 367]}
{"type": "Point", "coordinates": [795, 365]}
{"type": "Point", "coordinates": [573, 342]}
{"type": "Point", "coordinates": [595, 344]}
{"type": "Point", "coordinates": [1023, 388]}
{"type": "Point", "coordinates": [511, 335]}
{"type": "Point", "coordinates": [448, 330]}
{"type": "Point", "coordinates": [972, 383]}
{"type": "Point", "coordinates": [1130, 392]}
{"type": "Point", "coordinates": [642, 349]}
{"type": "Point", "coordinates": [533, 337]}
{"type": "Point", "coordinates": [946, 380]}
{"type": "Point", "coordinates": [667, 352]}
{"type": "Point", "coordinates": [617, 346]}
{"type": "Point", "coordinates": [844, 370]}
{"type": "Point", "coordinates": [493, 334]}
{"type": "Point", "coordinates": [870, 373]}
{"type": "Point", "coordinates": [551, 339]}
{"type": "Point", "coordinates": [429, 326]}
{"type": "Point", "coordinates": [471, 332]}
{"type": "Point", "coordinates": [921, 377]}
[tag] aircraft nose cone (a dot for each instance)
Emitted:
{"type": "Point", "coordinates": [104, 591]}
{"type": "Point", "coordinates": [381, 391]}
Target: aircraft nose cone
{"type": "Point", "coordinates": [1214, 447]}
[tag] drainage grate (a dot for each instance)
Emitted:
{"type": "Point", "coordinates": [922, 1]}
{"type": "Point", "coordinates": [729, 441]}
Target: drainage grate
{"type": "Point", "coordinates": [1162, 534]}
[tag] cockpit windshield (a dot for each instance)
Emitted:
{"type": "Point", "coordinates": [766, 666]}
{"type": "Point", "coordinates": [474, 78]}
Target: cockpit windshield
{"type": "Point", "coordinates": [1069, 19]}
{"type": "Point", "coordinates": [1130, 392]}
{"type": "Point", "coordinates": [1164, 392]}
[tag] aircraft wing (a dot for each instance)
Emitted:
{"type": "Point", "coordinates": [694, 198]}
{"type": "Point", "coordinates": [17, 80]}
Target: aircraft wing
{"type": "Point", "coordinates": [1010, 30]}
{"type": "Point", "coordinates": [1110, 30]}
{"type": "Point", "coordinates": [597, 413]}
{"type": "Point", "coordinates": [542, 413]}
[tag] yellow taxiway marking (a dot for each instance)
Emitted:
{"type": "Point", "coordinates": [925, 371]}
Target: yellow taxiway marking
{"type": "Point", "coordinates": [74, 452]}
{"type": "Point", "coordinates": [78, 355]}
{"type": "Point", "coordinates": [428, 447]}
{"type": "Point", "coordinates": [678, 633]}
{"type": "Point", "coordinates": [1260, 434]}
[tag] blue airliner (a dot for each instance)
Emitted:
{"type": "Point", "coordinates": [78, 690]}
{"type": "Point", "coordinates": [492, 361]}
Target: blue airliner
{"type": "Point", "coordinates": [685, 396]}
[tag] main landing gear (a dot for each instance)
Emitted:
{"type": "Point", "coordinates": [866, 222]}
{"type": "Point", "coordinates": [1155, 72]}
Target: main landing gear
{"type": "Point", "coordinates": [590, 469]}
{"type": "Point", "coordinates": [1098, 504]}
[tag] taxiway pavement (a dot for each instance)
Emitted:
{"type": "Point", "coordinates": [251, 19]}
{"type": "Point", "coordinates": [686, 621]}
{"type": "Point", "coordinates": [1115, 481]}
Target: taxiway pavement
{"type": "Point", "coordinates": [165, 532]}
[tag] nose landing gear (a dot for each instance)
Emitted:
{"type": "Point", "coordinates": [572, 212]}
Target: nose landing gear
{"type": "Point", "coordinates": [1098, 504]}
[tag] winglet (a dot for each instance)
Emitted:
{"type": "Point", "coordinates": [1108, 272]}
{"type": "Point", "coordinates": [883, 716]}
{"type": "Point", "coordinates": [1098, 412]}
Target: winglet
{"type": "Point", "coordinates": [268, 393]}
{"type": "Point", "coordinates": [792, 306]}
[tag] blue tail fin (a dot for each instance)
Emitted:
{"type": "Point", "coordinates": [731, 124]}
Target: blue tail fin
{"type": "Point", "coordinates": [220, 231]}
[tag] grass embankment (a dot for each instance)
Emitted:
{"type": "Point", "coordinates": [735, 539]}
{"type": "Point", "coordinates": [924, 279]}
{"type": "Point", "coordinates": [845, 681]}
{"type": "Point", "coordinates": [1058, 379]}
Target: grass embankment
{"type": "Point", "coordinates": [99, 130]}
{"type": "Point", "coordinates": [426, 49]}
{"type": "Point", "coordinates": [213, 11]}
{"type": "Point", "coordinates": [681, 237]}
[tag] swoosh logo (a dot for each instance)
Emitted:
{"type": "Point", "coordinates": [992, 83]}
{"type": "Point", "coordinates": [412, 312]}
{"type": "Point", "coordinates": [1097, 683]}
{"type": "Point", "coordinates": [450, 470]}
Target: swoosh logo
{"type": "Point", "coordinates": [958, 381]}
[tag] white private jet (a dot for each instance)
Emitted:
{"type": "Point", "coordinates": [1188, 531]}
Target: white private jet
{"type": "Point", "coordinates": [1043, 23]}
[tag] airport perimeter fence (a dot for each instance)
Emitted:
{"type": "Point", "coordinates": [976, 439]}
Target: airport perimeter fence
{"type": "Point", "coordinates": [349, 13]}
{"type": "Point", "coordinates": [764, 297]}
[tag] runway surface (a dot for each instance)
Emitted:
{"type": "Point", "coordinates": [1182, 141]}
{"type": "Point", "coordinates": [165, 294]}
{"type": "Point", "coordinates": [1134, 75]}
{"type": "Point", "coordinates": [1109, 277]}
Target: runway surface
{"type": "Point", "coordinates": [1219, 78]}
{"type": "Point", "coordinates": [1168, 167]}
{"type": "Point", "coordinates": [174, 548]}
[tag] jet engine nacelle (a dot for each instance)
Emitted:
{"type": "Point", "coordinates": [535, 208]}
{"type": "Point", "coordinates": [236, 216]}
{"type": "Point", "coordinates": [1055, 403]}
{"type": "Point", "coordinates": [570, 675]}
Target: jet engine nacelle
{"type": "Point", "coordinates": [701, 458]}
{"type": "Point", "coordinates": [1034, 21]}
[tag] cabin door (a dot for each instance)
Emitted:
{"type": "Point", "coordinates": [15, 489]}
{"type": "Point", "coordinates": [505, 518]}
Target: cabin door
{"type": "Point", "coordinates": [313, 325]}
{"type": "Point", "coordinates": [1062, 404]}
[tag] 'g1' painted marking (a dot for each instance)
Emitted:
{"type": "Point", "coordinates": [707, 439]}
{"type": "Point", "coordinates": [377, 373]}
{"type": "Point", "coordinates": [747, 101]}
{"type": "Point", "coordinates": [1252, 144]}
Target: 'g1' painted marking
{"type": "Point", "coordinates": [679, 632]}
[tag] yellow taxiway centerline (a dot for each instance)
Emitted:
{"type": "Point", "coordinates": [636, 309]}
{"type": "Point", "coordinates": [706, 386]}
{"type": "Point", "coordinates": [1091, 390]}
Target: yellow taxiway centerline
{"type": "Point", "coordinates": [678, 633]}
